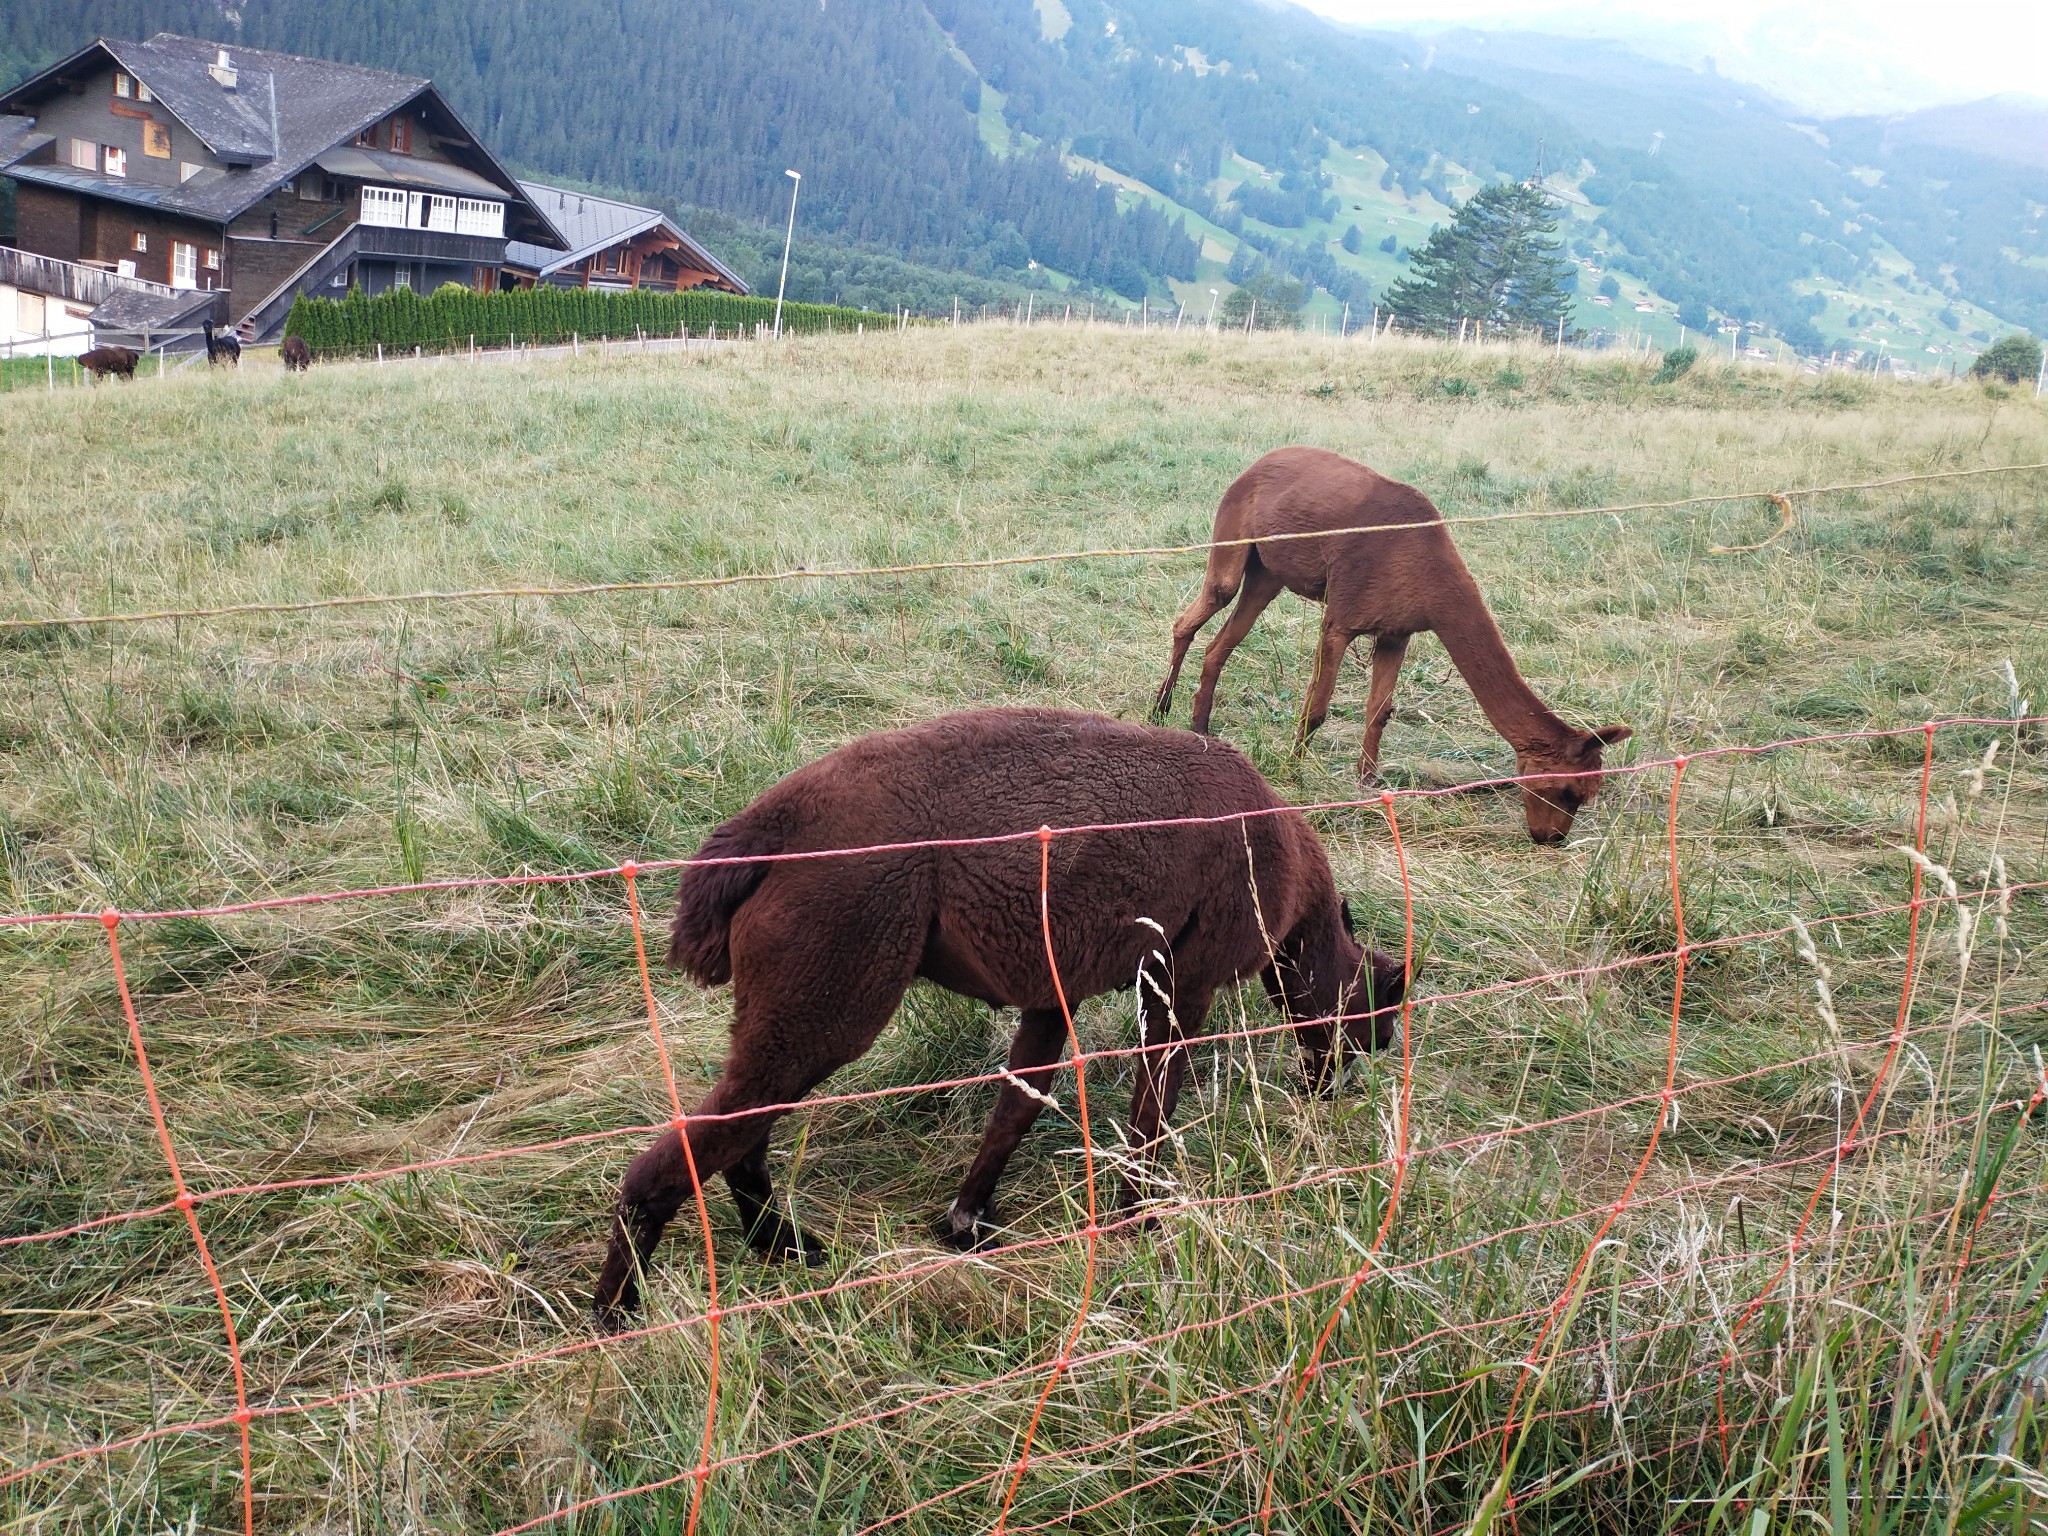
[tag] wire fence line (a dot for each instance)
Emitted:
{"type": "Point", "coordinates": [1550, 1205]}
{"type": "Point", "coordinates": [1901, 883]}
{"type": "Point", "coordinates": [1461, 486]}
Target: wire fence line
{"type": "Point", "coordinates": [1781, 499]}
{"type": "Point", "coordinates": [1298, 1387]}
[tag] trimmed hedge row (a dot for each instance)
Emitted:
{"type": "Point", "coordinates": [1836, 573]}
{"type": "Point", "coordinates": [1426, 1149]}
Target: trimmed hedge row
{"type": "Point", "coordinates": [449, 317]}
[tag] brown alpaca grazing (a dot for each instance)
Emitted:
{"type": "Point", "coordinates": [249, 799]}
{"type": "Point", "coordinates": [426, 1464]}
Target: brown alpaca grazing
{"type": "Point", "coordinates": [1387, 585]}
{"type": "Point", "coordinates": [101, 361]}
{"type": "Point", "coordinates": [298, 357]}
{"type": "Point", "coordinates": [821, 951]}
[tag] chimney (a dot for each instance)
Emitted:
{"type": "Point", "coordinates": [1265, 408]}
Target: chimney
{"type": "Point", "coordinates": [223, 70]}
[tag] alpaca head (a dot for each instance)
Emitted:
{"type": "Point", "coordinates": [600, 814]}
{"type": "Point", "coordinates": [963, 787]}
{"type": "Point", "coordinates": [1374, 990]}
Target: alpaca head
{"type": "Point", "coordinates": [1368, 1002]}
{"type": "Point", "coordinates": [1558, 782]}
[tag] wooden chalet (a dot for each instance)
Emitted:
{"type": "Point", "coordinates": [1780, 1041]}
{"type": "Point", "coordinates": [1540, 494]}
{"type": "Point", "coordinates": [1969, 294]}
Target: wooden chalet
{"type": "Point", "coordinates": [609, 244]}
{"type": "Point", "coordinates": [176, 179]}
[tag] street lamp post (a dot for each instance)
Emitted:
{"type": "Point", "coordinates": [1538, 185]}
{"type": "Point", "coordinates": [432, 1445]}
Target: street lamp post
{"type": "Point", "coordinates": [1212, 309]}
{"type": "Point", "coordinates": [797, 182]}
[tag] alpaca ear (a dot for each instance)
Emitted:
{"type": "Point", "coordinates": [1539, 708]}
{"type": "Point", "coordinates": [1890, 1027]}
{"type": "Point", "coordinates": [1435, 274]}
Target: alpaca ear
{"type": "Point", "coordinates": [1607, 736]}
{"type": "Point", "coordinates": [1344, 913]}
{"type": "Point", "coordinates": [1389, 981]}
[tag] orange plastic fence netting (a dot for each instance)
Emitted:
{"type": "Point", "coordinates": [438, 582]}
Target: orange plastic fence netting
{"type": "Point", "coordinates": [1779, 499]}
{"type": "Point", "coordinates": [1712, 1341]}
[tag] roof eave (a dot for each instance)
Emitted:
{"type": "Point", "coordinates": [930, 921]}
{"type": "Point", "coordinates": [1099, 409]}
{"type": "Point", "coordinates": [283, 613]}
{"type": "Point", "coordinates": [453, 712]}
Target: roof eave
{"type": "Point", "coordinates": [709, 260]}
{"type": "Point", "coordinates": [35, 81]}
{"type": "Point", "coordinates": [507, 182]}
{"type": "Point", "coordinates": [115, 194]}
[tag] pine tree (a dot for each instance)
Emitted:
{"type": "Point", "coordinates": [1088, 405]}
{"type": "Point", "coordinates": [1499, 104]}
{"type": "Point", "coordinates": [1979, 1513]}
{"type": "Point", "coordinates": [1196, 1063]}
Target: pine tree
{"type": "Point", "coordinates": [1498, 262]}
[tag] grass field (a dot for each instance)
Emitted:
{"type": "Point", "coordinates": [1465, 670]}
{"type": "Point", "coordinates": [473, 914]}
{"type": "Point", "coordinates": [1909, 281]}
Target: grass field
{"type": "Point", "coordinates": [1886, 1387]}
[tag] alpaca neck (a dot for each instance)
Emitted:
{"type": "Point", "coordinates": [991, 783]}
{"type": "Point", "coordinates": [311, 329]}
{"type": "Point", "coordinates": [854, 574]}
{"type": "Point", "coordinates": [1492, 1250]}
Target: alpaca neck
{"type": "Point", "coordinates": [1480, 654]}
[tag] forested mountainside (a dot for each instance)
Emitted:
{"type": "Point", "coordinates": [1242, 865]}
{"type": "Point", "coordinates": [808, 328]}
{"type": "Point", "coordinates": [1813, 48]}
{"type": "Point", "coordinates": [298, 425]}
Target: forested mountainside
{"type": "Point", "coordinates": [703, 102]}
{"type": "Point", "coordinates": [970, 135]}
{"type": "Point", "coordinates": [1710, 179]}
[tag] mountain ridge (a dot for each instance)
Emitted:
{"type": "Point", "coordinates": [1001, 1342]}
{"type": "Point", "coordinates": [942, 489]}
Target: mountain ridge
{"type": "Point", "coordinates": [1156, 148]}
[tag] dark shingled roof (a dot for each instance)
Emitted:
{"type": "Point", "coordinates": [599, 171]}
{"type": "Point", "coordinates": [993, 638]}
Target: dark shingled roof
{"type": "Point", "coordinates": [589, 224]}
{"type": "Point", "coordinates": [125, 313]}
{"type": "Point", "coordinates": [283, 114]}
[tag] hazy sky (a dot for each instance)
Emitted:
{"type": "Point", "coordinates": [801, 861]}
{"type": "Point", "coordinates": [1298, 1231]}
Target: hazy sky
{"type": "Point", "coordinates": [1836, 55]}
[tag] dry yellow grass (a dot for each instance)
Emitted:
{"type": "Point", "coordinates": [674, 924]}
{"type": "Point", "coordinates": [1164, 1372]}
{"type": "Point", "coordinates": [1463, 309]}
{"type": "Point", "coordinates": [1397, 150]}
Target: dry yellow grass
{"type": "Point", "coordinates": [198, 763]}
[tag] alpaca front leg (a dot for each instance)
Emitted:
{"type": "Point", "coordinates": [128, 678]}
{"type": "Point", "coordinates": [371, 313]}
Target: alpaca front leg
{"type": "Point", "coordinates": [1034, 1056]}
{"type": "Point", "coordinates": [1160, 1077]}
{"type": "Point", "coordinates": [1388, 651]}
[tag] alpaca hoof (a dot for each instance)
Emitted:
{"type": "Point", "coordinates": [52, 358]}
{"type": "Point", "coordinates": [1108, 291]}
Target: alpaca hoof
{"type": "Point", "coordinates": [784, 1241]}
{"type": "Point", "coordinates": [609, 1322]}
{"type": "Point", "coordinates": [969, 1232]}
{"type": "Point", "coordinates": [1323, 1083]}
{"type": "Point", "coordinates": [1132, 1201]}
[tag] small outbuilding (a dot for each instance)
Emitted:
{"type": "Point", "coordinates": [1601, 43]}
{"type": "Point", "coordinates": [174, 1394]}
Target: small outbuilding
{"type": "Point", "coordinates": [612, 245]}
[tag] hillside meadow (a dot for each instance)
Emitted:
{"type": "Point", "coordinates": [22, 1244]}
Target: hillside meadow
{"type": "Point", "coordinates": [1895, 1380]}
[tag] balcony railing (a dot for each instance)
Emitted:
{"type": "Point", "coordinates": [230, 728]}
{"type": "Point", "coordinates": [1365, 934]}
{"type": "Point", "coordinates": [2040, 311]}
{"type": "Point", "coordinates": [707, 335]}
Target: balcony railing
{"type": "Point", "coordinates": [68, 279]}
{"type": "Point", "coordinates": [391, 208]}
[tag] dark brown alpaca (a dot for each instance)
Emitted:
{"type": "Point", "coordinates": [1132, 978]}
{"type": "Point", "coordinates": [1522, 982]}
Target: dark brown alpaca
{"type": "Point", "coordinates": [1387, 585]}
{"type": "Point", "coordinates": [101, 361]}
{"type": "Point", "coordinates": [820, 951]}
{"type": "Point", "coordinates": [298, 357]}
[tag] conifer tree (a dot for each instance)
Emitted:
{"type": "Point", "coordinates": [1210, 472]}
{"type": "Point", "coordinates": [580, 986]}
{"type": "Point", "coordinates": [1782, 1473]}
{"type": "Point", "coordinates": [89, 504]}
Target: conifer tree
{"type": "Point", "coordinates": [1498, 262]}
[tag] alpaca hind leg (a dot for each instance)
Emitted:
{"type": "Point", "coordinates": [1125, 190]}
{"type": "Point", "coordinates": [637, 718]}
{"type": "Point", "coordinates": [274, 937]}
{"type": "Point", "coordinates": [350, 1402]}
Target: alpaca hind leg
{"type": "Point", "coordinates": [1219, 585]}
{"type": "Point", "coordinates": [769, 1232]}
{"type": "Point", "coordinates": [1034, 1057]}
{"type": "Point", "coordinates": [658, 1184]}
{"type": "Point", "coordinates": [1387, 654]}
{"type": "Point", "coordinates": [1158, 1088]}
{"type": "Point", "coordinates": [1261, 586]}
{"type": "Point", "coordinates": [788, 1035]}
{"type": "Point", "coordinates": [1315, 709]}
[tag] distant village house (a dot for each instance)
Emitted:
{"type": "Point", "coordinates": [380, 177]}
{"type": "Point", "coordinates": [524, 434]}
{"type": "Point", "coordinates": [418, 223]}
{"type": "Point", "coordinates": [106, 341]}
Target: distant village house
{"type": "Point", "coordinates": [169, 181]}
{"type": "Point", "coordinates": [610, 244]}
{"type": "Point", "coordinates": [163, 183]}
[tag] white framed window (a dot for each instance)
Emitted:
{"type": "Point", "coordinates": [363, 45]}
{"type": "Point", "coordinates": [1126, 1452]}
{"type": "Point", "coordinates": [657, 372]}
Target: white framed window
{"type": "Point", "coordinates": [187, 170]}
{"type": "Point", "coordinates": [210, 259]}
{"type": "Point", "coordinates": [116, 161]}
{"type": "Point", "coordinates": [85, 155]}
{"type": "Point", "coordinates": [434, 212]}
{"type": "Point", "coordinates": [124, 85]}
{"type": "Point", "coordinates": [184, 265]}
{"type": "Point", "coordinates": [385, 206]}
{"type": "Point", "coordinates": [479, 216]}
{"type": "Point", "coordinates": [143, 92]}
{"type": "Point", "coordinates": [141, 241]}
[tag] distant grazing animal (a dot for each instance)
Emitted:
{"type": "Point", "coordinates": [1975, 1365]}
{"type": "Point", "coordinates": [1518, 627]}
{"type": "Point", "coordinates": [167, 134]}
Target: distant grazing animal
{"type": "Point", "coordinates": [820, 951]}
{"type": "Point", "coordinates": [224, 348]}
{"type": "Point", "coordinates": [1390, 586]}
{"type": "Point", "coordinates": [101, 361]}
{"type": "Point", "coordinates": [298, 357]}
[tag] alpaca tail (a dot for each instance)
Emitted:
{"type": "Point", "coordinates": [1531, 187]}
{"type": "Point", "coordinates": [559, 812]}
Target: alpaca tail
{"type": "Point", "coordinates": [700, 940]}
